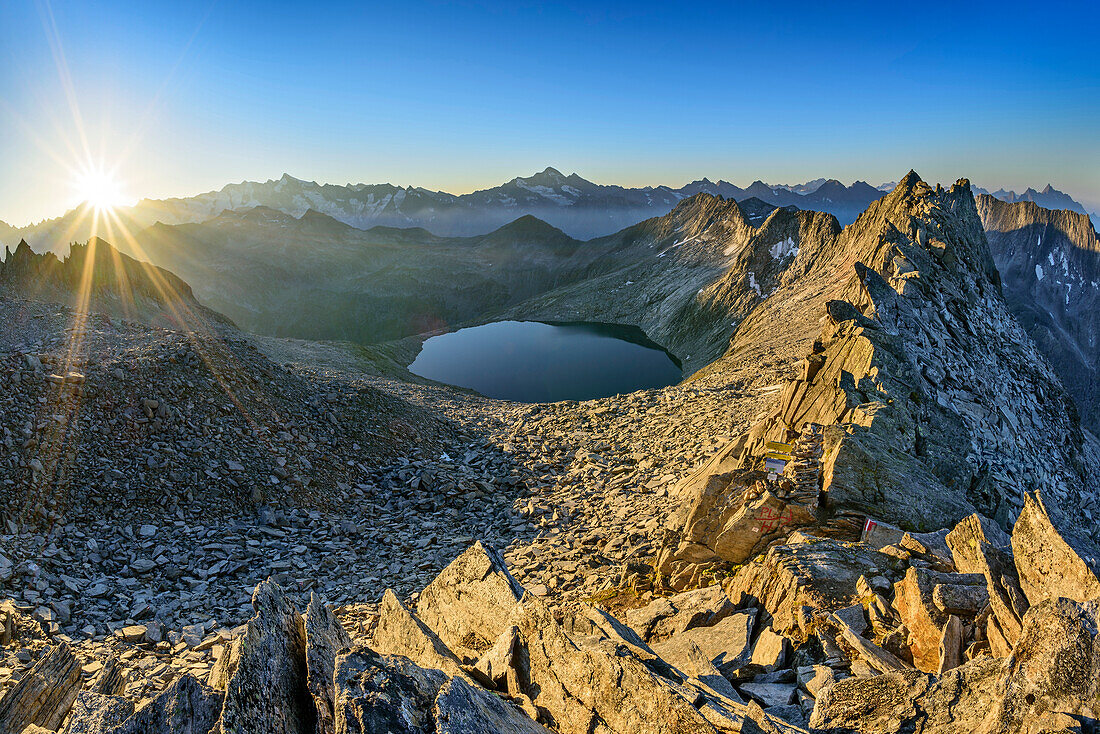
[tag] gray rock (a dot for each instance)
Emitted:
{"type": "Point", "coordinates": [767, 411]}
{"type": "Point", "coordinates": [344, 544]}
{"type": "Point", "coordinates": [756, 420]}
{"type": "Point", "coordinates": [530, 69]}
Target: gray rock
{"type": "Point", "coordinates": [325, 638]}
{"type": "Point", "coordinates": [94, 713]}
{"type": "Point", "coordinates": [267, 691]}
{"type": "Point", "coordinates": [185, 707]}
{"type": "Point", "coordinates": [461, 708]}
{"type": "Point", "coordinates": [381, 693]}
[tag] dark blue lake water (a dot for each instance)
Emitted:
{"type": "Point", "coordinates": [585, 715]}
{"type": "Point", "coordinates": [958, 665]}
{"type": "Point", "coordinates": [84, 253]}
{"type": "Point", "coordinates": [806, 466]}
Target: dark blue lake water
{"type": "Point", "coordinates": [533, 362]}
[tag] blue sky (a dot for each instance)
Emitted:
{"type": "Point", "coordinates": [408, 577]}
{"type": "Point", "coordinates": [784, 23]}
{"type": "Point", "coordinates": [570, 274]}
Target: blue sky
{"type": "Point", "coordinates": [178, 98]}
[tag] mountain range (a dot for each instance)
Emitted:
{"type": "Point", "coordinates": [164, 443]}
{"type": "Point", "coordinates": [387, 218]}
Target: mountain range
{"type": "Point", "coordinates": [578, 207]}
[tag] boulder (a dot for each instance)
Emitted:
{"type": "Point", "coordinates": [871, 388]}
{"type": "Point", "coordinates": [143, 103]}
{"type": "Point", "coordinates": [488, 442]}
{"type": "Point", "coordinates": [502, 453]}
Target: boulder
{"type": "Point", "coordinates": [727, 645]}
{"type": "Point", "coordinates": [468, 604]}
{"type": "Point", "coordinates": [875, 705]}
{"type": "Point", "coordinates": [1053, 559]}
{"type": "Point", "coordinates": [962, 599]}
{"type": "Point", "coordinates": [770, 694]}
{"type": "Point", "coordinates": [967, 538]}
{"type": "Point", "coordinates": [598, 686]}
{"type": "Point", "coordinates": [400, 632]}
{"type": "Point", "coordinates": [184, 707]}
{"type": "Point", "coordinates": [461, 708]}
{"type": "Point", "coordinates": [325, 638]}
{"type": "Point", "coordinates": [913, 599]}
{"type": "Point", "coordinates": [45, 693]}
{"type": "Point", "coordinates": [95, 713]}
{"type": "Point", "coordinates": [267, 691]}
{"type": "Point", "coordinates": [668, 616]}
{"type": "Point", "coordinates": [770, 651]}
{"type": "Point", "coordinates": [820, 574]}
{"type": "Point", "coordinates": [384, 693]}
{"type": "Point", "coordinates": [978, 545]}
{"type": "Point", "coordinates": [730, 520]}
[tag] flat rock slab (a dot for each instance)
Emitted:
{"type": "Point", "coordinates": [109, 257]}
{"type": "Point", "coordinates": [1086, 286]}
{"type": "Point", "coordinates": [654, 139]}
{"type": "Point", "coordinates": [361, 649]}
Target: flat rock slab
{"type": "Point", "coordinates": [727, 644]}
{"type": "Point", "coordinates": [770, 694]}
{"type": "Point", "coordinates": [669, 616]}
{"type": "Point", "coordinates": [821, 574]}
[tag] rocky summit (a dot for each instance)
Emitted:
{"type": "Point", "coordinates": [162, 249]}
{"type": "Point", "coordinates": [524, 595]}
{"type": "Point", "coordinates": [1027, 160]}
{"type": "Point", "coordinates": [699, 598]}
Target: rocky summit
{"type": "Point", "coordinates": [869, 508]}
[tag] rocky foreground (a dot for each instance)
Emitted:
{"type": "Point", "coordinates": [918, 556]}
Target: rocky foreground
{"type": "Point", "coordinates": [967, 630]}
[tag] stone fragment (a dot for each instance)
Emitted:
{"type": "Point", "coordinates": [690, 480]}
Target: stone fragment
{"type": "Point", "coordinates": [968, 537]}
{"type": "Point", "coordinates": [468, 604]}
{"type": "Point", "coordinates": [951, 641]}
{"type": "Point", "coordinates": [728, 644]}
{"type": "Point", "coordinates": [770, 651]}
{"type": "Point", "coordinates": [962, 599]}
{"type": "Point", "coordinates": [45, 693]}
{"type": "Point", "coordinates": [770, 694]}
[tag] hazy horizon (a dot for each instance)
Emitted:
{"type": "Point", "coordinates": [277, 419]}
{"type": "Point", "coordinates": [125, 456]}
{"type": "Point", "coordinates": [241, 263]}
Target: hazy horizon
{"type": "Point", "coordinates": [173, 101]}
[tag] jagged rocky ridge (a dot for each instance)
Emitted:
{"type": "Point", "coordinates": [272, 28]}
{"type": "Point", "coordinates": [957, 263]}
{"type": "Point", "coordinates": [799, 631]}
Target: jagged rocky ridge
{"type": "Point", "coordinates": [931, 401]}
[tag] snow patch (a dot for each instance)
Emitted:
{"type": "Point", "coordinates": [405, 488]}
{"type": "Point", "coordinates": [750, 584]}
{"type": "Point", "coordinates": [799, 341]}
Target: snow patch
{"type": "Point", "coordinates": [753, 284]}
{"type": "Point", "coordinates": [784, 248]}
{"type": "Point", "coordinates": [1039, 272]}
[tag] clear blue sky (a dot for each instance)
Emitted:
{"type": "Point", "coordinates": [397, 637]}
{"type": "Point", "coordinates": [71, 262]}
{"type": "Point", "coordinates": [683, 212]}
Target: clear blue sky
{"type": "Point", "coordinates": [183, 97]}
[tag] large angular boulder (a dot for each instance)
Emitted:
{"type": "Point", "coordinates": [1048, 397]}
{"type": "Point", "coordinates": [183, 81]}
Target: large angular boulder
{"type": "Point", "coordinates": [185, 707]}
{"type": "Point", "coordinates": [915, 603]}
{"type": "Point", "coordinates": [820, 574]}
{"type": "Point", "coordinates": [325, 638]}
{"type": "Point", "coordinates": [268, 691]}
{"type": "Point", "coordinates": [467, 605]}
{"type": "Point", "coordinates": [95, 713]}
{"type": "Point", "coordinates": [727, 645]}
{"type": "Point", "coordinates": [461, 708]}
{"type": "Point", "coordinates": [1053, 559]}
{"type": "Point", "coordinates": [668, 616]}
{"type": "Point", "coordinates": [400, 632]}
{"type": "Point", "coordinates": [731, 519]}
{"type": "Point", "coordinates": [384, 693]}
{"type": "Point", "coordinates": [598, 686]}
{"type": "Point", "coordinates": [44, 695]}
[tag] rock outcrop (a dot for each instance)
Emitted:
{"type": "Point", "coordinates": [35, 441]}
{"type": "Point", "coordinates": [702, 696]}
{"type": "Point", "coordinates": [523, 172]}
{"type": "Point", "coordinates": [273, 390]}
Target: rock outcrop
{"type": "Point", "coordinates": [933, 403]}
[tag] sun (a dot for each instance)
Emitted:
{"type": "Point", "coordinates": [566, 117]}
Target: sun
{"type": "Point", "coordinates": [99, 189]}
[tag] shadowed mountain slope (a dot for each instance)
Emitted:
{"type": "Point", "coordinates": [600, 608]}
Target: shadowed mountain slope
{"type": "Point", "coordinates": [1050, 263]}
